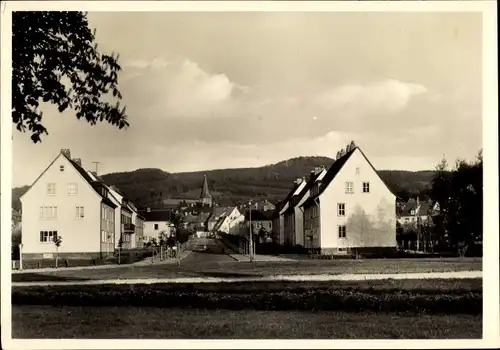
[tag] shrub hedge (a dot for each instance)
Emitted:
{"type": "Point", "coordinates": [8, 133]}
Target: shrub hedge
{"type": "Point", "coordinates": [187, 296]}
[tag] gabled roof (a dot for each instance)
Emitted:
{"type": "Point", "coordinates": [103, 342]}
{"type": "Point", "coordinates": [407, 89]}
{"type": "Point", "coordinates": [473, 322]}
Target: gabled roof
{"type": "Point", "coordinates": [335, 169]}
{"type": "Point", "coordinates": [423, 208]}
{"type": "Point", "coordinates": [259, 215]}
{"type": "Point", "coordinates": [96, 186]}
{"type": "Point", "coordinates": [295, 201]}
{"type": "Point", "coordinates": [219, 212]}
{"type": "Point", "coordinates": [156, 215]}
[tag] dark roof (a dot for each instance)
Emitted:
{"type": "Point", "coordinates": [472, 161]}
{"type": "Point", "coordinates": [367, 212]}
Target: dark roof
{"type": "Point", "coordinates": [296, 199]}
{"type": "Point", "coordinates": [334, 170]}
{"type": "Point", "coordinates": [219, 212]}
{"type": "Point", "coordinates": [156, 215]}
{"type": "Point", "coordinates": [424, 207]}
{"type": "Point", "coordinates": [259, 215]}
{"type": "Point", "coordinates": [98, 185]}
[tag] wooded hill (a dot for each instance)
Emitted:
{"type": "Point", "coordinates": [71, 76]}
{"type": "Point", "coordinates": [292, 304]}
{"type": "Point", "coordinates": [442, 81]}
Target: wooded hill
{"type": "Point", "coordinates": [237, 186]}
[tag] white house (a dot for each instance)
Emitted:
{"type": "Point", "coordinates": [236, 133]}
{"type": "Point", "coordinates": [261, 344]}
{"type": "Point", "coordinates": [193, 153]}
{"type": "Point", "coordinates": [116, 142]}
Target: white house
{"type": "Point", "coordinates": [416, 211]}
{"type": "Point", "coordinates": [351, 208]}
{"type": "Point", "coordinates": [229, 221]}
{"type": "Point", "coordinates": [156, 223]}
{"type": "Point", "coordinates": [65, 201]}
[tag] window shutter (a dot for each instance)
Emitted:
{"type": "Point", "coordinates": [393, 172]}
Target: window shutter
{"type": "Point", "coordinates": [41, 236]}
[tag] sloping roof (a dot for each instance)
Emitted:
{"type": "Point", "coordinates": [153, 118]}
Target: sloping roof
{"type": "Point", "coordinates": [312, 180]}
{"type": "Point", "coordinates": [96, 185]}
{"type": "Point", "coordinates": [156, 215]}
{"type": "Point", "coordinates": [220, 211]}
{"type": "Point", "coordinates": [423, 208]}
{"type": "Point", "coordinates": [259, 215]}
{"type": "Point", "coordinates": [205, 193]}
{"type": "Point", "coordinates": [335, 169]}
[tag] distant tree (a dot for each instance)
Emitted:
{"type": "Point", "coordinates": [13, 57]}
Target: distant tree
{"type": "Point", "coordinates": [55, 59]}
{"type": "Point", "coordinates": [57, 243]}
{"type": "Point", "coordinates": [459, 194]}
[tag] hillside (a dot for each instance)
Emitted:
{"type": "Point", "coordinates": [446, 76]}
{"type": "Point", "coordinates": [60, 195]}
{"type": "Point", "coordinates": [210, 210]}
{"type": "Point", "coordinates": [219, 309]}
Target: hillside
{"type": "Point", "coordinates": [236, 186]}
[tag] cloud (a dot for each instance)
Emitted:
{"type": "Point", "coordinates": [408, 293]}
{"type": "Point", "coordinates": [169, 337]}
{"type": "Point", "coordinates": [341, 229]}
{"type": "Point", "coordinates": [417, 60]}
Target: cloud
{"type": "Point", "coordinates": [180, 89]}
{"type": "Point", "coordinates": [387, 95]}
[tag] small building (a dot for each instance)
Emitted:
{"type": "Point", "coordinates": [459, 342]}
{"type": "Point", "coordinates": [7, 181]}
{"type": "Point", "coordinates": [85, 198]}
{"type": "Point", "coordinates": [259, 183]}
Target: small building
{"type": "Point", "coordinates": [294, 217]}
{"type": "Point", "coordinates": [261, 223]}
{"type": "Point", "coordinates": [229, 221]}
{"type": "Point", "coordinates": [65, 201]}
{"type": "Point", "coordinates": [415, 211]}
{"type": "Point", "coordinates": [156, 223]}
{"type": "Point", "coordinates": [351, 209]}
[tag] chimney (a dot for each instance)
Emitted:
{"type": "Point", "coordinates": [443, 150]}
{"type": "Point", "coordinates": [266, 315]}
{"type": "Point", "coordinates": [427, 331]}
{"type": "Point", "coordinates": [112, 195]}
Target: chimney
{"type": "Point", "coordinates": [66, 152]}
{"type": "Point", "coordinates": [338, 155]}
{"type": "Point", "coordinates": [78, 161]}
{"type": "Point", "coordinates": [418, 201]}
{"type": "Point", "coordinates": [342, 152]}
{"type": "Point", "coordinates": [299, 180]}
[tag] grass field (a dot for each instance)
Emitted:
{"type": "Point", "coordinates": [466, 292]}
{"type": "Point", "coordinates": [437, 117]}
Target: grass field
{"type": "Point", "coordinates": [32, 321]}
{"type": "Point", "coordinates": [246, 269]}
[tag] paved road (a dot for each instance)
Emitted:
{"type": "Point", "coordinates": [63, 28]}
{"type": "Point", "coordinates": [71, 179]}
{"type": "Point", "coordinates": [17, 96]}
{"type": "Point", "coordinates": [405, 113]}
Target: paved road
{"type": "Point", "coordinates": [207, 251]}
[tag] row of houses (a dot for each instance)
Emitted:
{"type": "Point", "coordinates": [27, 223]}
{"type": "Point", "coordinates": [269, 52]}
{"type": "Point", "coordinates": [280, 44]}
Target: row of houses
{"type": "Point", "coordinates": [338, 209]}
{"type": "Point", "coordinates": [91, 218]}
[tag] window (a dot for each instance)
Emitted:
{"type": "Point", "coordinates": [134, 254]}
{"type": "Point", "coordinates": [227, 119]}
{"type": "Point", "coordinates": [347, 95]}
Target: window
{"type": "Point", "coordinates": [48, 212]}
{"type": "Point", "coordinates": [341, 209]}
{"type": "Point", "coordinates": [342, 231]}
{"type": "Point", "coordinates": [349, 187]}
{"type": "Point", "coordinates": [47, 236]}
{"type": "Point", "coordinates": [156, 226]}
{"type": "Point", "coordinates": [51, 188]}
{"type": "Point", "coordinates": [366, 187]}
{"type": "Point", "coordinates": [357, 171]}
{"type": "Point", "coordinates": [79, 213]}
{"type": "Point", "coordinates": [72, 189]}
{"type": "Point", "coordinates": [412, 212]}
{"type": "Point", "coordinates": [61, 168]}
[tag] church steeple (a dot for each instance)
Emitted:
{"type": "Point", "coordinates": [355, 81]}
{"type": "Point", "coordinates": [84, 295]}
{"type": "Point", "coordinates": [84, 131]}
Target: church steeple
{"type": "Point", "coordinates": [205, 197]}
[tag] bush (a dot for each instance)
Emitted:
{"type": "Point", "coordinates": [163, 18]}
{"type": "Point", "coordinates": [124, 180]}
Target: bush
{"type": "Point", "coordinates": [328, 299]}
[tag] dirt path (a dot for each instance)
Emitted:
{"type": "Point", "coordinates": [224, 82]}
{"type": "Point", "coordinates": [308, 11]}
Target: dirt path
{"type": "Point", "coordinates": [345, 277]}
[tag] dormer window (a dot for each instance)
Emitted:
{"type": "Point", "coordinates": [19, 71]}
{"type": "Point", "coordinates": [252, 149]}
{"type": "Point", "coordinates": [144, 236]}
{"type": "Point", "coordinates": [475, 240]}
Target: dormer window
{"type": "Point", "coordinates": [61, 168]}
{"type": "Point", "coordinates": [412, 212]}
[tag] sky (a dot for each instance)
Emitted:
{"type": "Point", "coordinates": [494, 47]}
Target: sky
{"type": "Point", "coordinates": [226, 90]}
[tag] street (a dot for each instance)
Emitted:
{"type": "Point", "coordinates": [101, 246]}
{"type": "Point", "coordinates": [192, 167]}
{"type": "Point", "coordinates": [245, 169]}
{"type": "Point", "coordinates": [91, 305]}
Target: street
{"type": "Point", "coordinates": [207, 251]}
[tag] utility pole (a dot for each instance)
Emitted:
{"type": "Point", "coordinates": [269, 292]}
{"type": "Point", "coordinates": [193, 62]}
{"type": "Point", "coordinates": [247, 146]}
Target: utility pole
{"type": "Point", "coordinates": [96, 167]}
{"type": "Point", "coordinates": [250, 243]}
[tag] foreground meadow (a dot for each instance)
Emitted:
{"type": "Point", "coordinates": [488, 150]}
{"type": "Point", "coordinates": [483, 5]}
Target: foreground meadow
{"type": "Point", "coordinates": [30, 321]}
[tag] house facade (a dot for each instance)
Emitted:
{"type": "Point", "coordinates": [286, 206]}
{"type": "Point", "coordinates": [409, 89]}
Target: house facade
{"type": "Point", "coordinates": [415, 211]}
{"type": "Point", "coordinates": [156, 223]}
{"type": "Point", "coordinates": [64, 201]}
{"type": "Point", "coordinates": [288, 212]}
{"type": "Point", "coordinates": [351, 208]}
{"type": "Point", "coordinates": [261, 223]}
{"type": "Point", "coordinates": [296, 211]}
